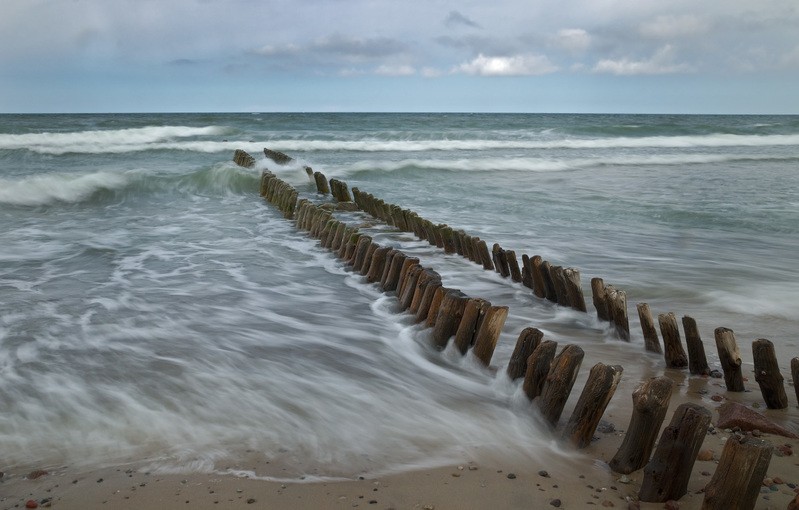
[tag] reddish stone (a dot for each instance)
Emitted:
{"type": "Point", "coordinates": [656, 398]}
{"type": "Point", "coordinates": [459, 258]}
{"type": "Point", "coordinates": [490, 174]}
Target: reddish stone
{"type": "Point", "coordinates": [732, 414]}
{"type": "Point", "coordinates": [705, 455]}
{"type": "Point", "coordinates": [33, 475]}
{"type": "Point", "coordinates": [794, 505]}
{"type": "Point", "coordinates": [31, 504]}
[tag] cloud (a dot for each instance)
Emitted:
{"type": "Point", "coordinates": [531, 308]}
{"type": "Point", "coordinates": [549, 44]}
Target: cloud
{"type": "Point", "coordinates": [662, 62]}
{"type": "Point", "coordinates": [573, 40]}
{"type": "Point", "coordinates": [395, 70]}
{"type": "Point", "coordinates": [455, 18]}
{"type": "Point", "coordinates": [670, 27]}
{"type": "Point", "coordinates": [519, 65]}
{"type": "Point", "coordinates": [352, 47]}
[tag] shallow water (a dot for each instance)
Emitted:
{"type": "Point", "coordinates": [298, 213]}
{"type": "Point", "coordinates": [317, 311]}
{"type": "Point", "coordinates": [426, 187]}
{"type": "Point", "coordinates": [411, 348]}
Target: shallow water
{"type": "Point", "coordinates": [154, 307]}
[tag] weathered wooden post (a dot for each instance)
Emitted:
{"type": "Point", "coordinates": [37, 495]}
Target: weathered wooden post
{"type": "Point", "coordinates": [391, 273]}
{"type": "Point", "coordinates": [767, 374]}
{"type": "Point", "coordinates": [513, 265]}
{"type": "Point", "coordinates": [321, 183]}
{"type": "Point", "coordinates": [488, 334]}
{"type": "Point", "coordinates": [528, 340]}
{"type": "Point", "coordinates": [666, 475]}
{"type": "Point", "coordinates": [242, 158]}
{"type": "Point", "coordinates": [347, 237]}
{"type": "Point", "coordinates": [596, 395]}
{"type": "Point", "coordinates": [549, 285]}
{"type": "Point", "coordinates": [651, 340]}
{"type": "Point", "coordinates": [277, 156]}
{"type": "Point", "coordinates": [360, 252]}
{"type": "Point", "coordinates": [427, 277]}
{"type": "Point", "coordinates": [600, 298]}
{"type": "Point", "coordinates": [500, 261]}
{"type": "Point", "coordinates": [673, 351]}
{"type": "Point", "coordinates": [435, 306]}
{"type": "Point", "coordinates": [539, 286]}
{"type": "Point", "coordinates": [538, 367]}
{"type": "Point", "coordinates": [559, 382]}
{"type": "Point", "coordinates": [449, 317]}
{"type": "Point", "coordinates": [574, 289]}
{"type": "Point", "coordinates": [556, 273]}
{"type": "Point", "coordinates": [697, 361]}
{"type": "Point", "coordinates": [795, 376]}
{"type": "Point", "coordinates": [485, 256]}
{"type": "Point", "coordinates": [473, 315]}
{"type": "Point", "coordinates": [408, 286]}
{"type": "Point", "coordinates": [427, 299]}
{"type": "Point", "coordinates": [407, 265]}
{"type": "Point", "coordinates": [527, 271]}
{"type": "Point", "coordinates": [730, 359]}
{"type": "Point", "coordinates": [650, 404]}
{"type": "Point", "coordinates": [617, 310]}
{"type": "Point", "coordinates": [742, 467]}
{"type": "Point", "coordinates": [377, 265]}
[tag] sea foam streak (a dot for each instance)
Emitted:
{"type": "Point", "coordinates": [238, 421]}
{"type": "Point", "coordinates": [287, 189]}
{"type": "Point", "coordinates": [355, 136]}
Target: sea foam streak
{"type": "Point", "coordinates": [107, 141]}
{"type": "Point", "coordinates": [45, 189]}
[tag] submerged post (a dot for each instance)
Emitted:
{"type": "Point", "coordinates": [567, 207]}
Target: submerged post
{"type": "Point", "coordinates": [528, 340]}
{"type": "Point", "coordinates": [538, 367]}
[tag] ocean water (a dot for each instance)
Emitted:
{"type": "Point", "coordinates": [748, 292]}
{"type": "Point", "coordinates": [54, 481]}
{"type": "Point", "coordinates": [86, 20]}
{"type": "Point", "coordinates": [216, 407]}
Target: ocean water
{"type": "Point", "coordinates": [154, 308]}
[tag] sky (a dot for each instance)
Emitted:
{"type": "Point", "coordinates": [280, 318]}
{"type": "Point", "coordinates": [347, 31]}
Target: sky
{"type": "Point", "coordinates": [584, 56]}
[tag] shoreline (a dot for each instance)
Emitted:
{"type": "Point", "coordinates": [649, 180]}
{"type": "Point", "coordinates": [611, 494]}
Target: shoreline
{"type": "Point", "coordinates": [495, 481]}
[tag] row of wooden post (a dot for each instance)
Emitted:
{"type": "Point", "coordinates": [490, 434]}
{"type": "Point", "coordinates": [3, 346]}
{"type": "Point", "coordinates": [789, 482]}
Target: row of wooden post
{"type": "Point", "coordinates": [548, 379]}
{"type": "Point", "coordinates": [547, 281]}
{"type": "Point", "coordinates": [767, 371]}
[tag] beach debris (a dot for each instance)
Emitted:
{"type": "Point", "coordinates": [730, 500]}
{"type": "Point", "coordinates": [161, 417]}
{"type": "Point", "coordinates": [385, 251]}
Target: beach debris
{"type": "Point", "coordinates": [36, 473]}
{"type": "Point", "coordinates": [742, 467]}
{"type": "Point", "coordinates": [666, 475]}
{"type": "Point", "coordinates": [733, 414]}
{"type": "Point", "coordinates": [767, 374]}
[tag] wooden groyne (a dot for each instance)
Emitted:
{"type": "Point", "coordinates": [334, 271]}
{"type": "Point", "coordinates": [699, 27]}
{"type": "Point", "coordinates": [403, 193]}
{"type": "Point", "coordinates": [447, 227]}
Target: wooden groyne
{"type": "Point", "coordinates": [472, 324]}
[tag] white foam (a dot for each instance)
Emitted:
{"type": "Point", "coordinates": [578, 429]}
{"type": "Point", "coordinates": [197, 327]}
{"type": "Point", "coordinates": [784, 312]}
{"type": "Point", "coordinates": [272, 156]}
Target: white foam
{"type": "Point", "coordinates": [49, 188]}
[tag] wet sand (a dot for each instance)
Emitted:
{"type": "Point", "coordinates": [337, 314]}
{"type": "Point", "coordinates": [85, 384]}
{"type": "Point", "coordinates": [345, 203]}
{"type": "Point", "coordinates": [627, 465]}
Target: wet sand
{"type": "Point", "coordinates": [581, 481]}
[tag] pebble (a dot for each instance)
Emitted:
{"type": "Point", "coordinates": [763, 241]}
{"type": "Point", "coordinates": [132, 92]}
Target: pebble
{"type": "Point", "coordinates": [31, 504]}
{"type": "Point", "coordinates": [624, 479]}
{"type": "Point", "coordinates": [716, 398]}
{"type": "Point", "coordinates": [33, 475]}
{"type": "Point", "coordinates": [607, 503]}
{"type": "Point", "coordinates": [512, 476]}
{"type": "Point", "coordinates": [705, 455]}
{"type": "Point", "coordinates": [251, 501]}
{"type": "Point", "coordinates": [768, 482]}
{"type": "Point", "coordinates": [555, 503]}
{"type": "Point", "coordinates": [545, 475]}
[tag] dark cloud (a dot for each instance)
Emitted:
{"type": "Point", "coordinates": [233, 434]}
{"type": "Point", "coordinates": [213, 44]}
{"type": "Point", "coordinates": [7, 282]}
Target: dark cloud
{"type": "Point", "coordinates": [351, 47]}
{"type": "Point", "coordinates": [455, 18]}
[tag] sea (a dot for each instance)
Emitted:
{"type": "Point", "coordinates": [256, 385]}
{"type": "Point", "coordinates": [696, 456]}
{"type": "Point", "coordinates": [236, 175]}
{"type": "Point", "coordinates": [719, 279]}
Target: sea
{"type": "Point", "coordinates": [155, 310]}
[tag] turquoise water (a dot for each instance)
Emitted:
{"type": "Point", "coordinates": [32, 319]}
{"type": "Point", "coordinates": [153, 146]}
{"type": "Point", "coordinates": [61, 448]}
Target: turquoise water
{"type": "Point", "coordinates": [153, 307]}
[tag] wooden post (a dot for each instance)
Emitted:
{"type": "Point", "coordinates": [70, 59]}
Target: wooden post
{"type": "Point", "coordinates": [549, 285]}
{"type": "Point", "coordinates": [360, 252]}
{"type": "Point", "coordinates": [527, 271]}
{"type": "Point", "coordinates": [435, 306]}
{"type": "Point", "coordinates": [600, 299]}
{"type": "Point", "coordinates": [556, 273]}
{"type": "Point", "coordinates": [277, 156]}
{"type": "Point", "coordinates": [409, 263]}
{"type": "Point", "coordinates": [377, 265]}
{"type": "Point", "coordinates": [427, 277]}
{"type": "Point", "coordinates": [338, 236]}
{"type": "Point", "coordinates": [596, 395]}
{"type": "Point", "coordinates": [697, 361]}
{"type": "Point", "coordinates": [559, 382]}
{"type": "Point", "coordinates": [528, 340]}
{"type": "Point", "coordinates": [346, 238]}
{"type": "Point", "coordinates": [500, 261]}
{"type": "Point", "coordinates": [391, 277]}
{"type": "Point", "coordinates": [573, 289]}
{"type": "Point", "coordinates": [321, 183]}
{"type": "Point", "coordinates": [448, 236]}
{"type": "Point", "coordinates": [795, 376]}
{"type": "Point", "coordinates": [617, 309]}
{"type": "Point", "coordinates": [738, 477]}
{"type": "Point", "coordinates": [473, 315]}
{"type": "Point", "coordinates": [673, 352]}
{"type": "Point", "coordinates": [488, 334]}
{"type": "Point", "coordinates": [513, 265]}
{"type": "Point", "coordinates": [449, 317]}
{"type": "Point", "coordinates": [767, 374]}
{"type": "Point", "coordinates": [408, 286]}
{"type": "Point", "coordinates": [651, 340]}
{"type": "Point", "coordinates": [427, 298]}
{"type": "Point", "coordinates": [538, 367]}
{"type": "Point", "coordinates": [666, 475]}
{"type": "Point", "coordinates": [650, 403]}
{"type": "Point", "coordinates": [242, 158]}
{"type": "Point", "coordinates": [730, 359]}
{"type": "Point", "coordinates": [485, 256]}
{"type": "Point", "coordinates": [539, 286]}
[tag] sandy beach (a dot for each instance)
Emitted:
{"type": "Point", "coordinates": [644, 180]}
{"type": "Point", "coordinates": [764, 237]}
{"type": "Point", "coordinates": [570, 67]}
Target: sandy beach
{"type": "Point", "coordinates": [582, 481]}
